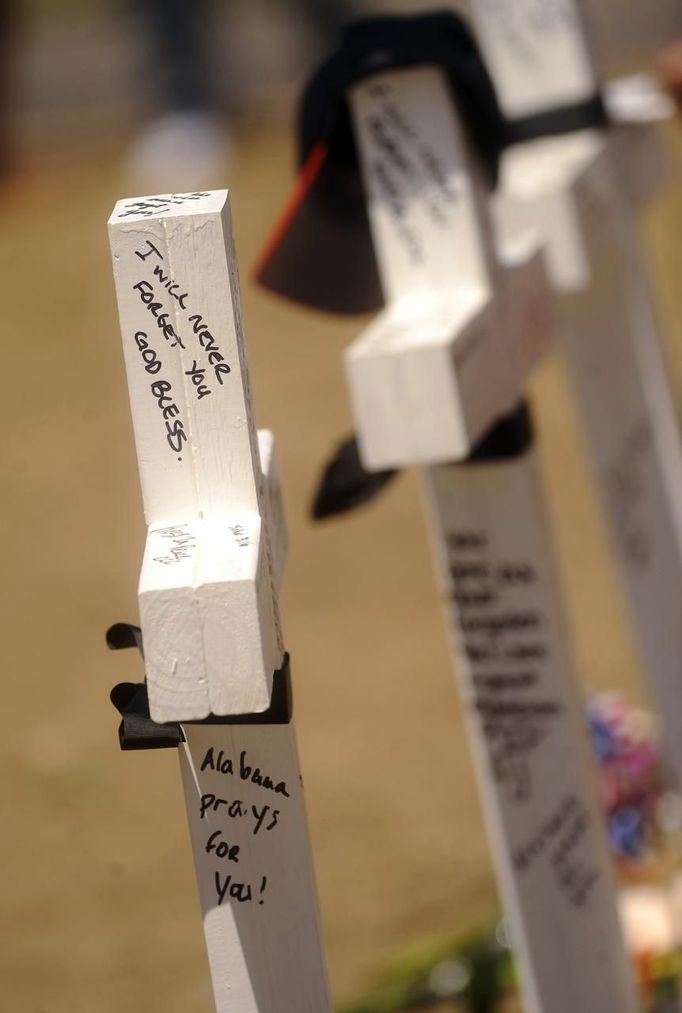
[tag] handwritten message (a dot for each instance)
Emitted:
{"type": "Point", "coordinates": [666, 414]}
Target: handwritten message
{"type": "Point", "coordinates": [246, 804]}
{"type": "Point", "coordinates": [406, 170]}
{"type": "Point", "coordinates": [505, 643]}
{"type": "Point", "coordinates": [175, 323]}
{"type": "Point", "coordinates": [205, 339]}
{"type": "Point", "coordinates": [517, 688]}
{"type": "Point", "coordinates": [181, 543]}
{"type": "Point", "coordinates": [247, 820]}
{"type": "Point", "coordinates": [627, 490]}
{"type": "Point", "coordinates": [559, 842]}
{"type": "Point", "coordinates": [160, 204]}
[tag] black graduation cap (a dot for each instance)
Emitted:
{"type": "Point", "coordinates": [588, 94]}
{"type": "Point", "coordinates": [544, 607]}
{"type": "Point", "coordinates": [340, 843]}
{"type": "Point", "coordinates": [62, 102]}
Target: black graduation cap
{"type": "Point", "coordinates": [321, 252]}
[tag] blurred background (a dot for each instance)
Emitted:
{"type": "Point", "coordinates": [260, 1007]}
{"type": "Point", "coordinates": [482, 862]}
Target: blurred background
{"type": "Point", "coordinates": [99, 909]}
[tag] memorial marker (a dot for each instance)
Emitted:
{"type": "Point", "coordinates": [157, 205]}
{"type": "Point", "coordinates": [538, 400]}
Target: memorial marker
{"type": "Point", "coordinates": [208, 602]}
{"type": "Point", "coordinates": [519, 692]}
{"type": "Point", "coordinates": [581, 193]}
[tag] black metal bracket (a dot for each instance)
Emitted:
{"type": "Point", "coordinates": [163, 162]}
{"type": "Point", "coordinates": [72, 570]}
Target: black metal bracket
{"type": "Point", "coordinates": [138, 731]}
{"type": "Point", "coordinates": [345, 483]}
{"type": "Point", "coordinates": [567, 119]}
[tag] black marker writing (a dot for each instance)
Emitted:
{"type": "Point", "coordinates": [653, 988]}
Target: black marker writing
{"type": "Point", "coordinates": [215, 357]}
{"type": "Point", "coordinates": [182, 542]}
{"type": "Point", "coordinates": [164, 277]}
{"type": "Point", "coordinates": [175, 431]}
{"type": "Point", "coordinates": [222, 848]}
{"type": "Point", "coordinates": [236, 808]}
{"type": "Point", "coordinates": [157, 205]}
{"type": "Point", "coordinates": [197, 376]}
{"type": "Point", "coordinates": [149, 356]}
{"type": "Point", "coordinates": [147, 295]}
{"type": "Point", "coordinates": [503, 637]}
{"type": "Point", "coordinates": [240, 892]}
{"type": "Point", "coordinates": [253, 774]}
{"type": "Point", "coordinates": [151, 248]}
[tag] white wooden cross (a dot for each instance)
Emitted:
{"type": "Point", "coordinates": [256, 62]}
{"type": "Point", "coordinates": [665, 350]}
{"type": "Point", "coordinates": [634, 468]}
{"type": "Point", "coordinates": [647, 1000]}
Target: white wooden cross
{"type": "Point", "coordinates": [581, 193]}
{"type": "Point", "coordinates": [208, 598]}
{"type": "Point", "coordinates": [453, 349]}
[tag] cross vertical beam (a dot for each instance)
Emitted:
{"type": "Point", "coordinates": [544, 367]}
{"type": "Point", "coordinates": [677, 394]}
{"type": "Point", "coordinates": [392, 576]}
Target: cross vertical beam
{"type": "Point", "coordinates": [527, 732]}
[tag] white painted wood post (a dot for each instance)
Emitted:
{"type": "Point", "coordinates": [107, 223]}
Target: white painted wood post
{"type": "Point", "coordinates": [208, 598]}
{"type": "Point", "coordinates": [449, 344]}
{"type": "Point", "coordinates": [527, 732]}
{"type": "Point", "coordinates": [442, 340]}
{"type": "Point", "coordinates": [536, 52]}
{"type": "Point", "coordinates": [252, 857]}
{"type": "Point", "coordinates": [581, 193]}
